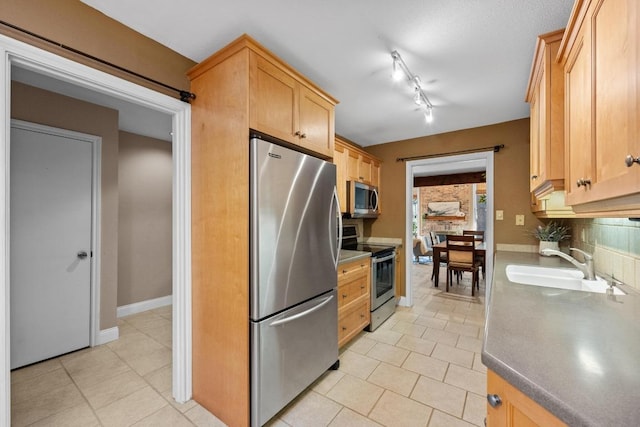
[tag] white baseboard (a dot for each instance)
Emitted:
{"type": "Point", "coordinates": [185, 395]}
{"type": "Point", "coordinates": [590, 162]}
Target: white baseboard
{"type": "Point", "coordinates": [403, 302]}
{"type": "Point", "coordinates": [139, 307]}
{"type": "Point", "coordinates": [108, 335]}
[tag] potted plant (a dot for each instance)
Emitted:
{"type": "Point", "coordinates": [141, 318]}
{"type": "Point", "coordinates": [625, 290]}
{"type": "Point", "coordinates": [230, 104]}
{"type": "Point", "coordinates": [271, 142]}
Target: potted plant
{"type": "Point", "coordinates": [551, 234]}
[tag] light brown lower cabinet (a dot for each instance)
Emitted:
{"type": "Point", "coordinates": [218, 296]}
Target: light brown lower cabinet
{"type": "Point", "coordinates": [354, 299]}
{"type": "Point", "coordinates": [509, 407]}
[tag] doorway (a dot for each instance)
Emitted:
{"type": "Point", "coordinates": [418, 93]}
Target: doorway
{"type": "Point", "coordinates": [16, 53]}
{"type": "Point", "coordinates": [481, 161]}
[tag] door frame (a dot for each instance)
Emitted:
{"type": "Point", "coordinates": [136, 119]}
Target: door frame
{"type": "Point", "coordinates": [96, 159]}
{"type": "Point", "coordinates": [14, 52]}
{"type": "Point", "coordinates": [447, 165]}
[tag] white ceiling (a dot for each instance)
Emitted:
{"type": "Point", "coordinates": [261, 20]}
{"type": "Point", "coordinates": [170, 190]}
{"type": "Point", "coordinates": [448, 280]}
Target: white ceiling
{"type": "Point", "coordinates": [473, 56]}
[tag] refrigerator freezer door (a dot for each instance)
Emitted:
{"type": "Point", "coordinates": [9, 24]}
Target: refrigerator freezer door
{"type": "Point", "coordinates": [294, 244]}
{"type": "Point", "coordinates": [289, 351]}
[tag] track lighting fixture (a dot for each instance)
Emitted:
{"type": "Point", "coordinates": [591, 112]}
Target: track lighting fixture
{"type": "Point", "coordinates": [400, 71]}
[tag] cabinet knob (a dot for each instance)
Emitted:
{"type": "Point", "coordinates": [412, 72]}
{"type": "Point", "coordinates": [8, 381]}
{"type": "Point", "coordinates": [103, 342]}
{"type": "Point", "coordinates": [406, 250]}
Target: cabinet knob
{"type": "Point", "coordinates": [300, 134]}
{"type": "Point", "coordinates": [303, 135]}
{"type": "Point", "coordinates": [494, 400]}
{"type": "Point", "coordinates": [344, 328]}
{"type": "Point", "coordinates": [344, 295]}
{"type": "Point", "coordinates": [630, 160]}
{"type": "Point", "coordinates": [344, 271]}
{"type": "Point", "coordinates": [534, 177]}
{"type": "Point", "coordinates": [583, 182]}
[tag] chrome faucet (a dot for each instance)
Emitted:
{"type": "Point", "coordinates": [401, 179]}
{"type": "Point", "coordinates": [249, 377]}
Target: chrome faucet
{"type": "Point", "coordinates": [586, 268]}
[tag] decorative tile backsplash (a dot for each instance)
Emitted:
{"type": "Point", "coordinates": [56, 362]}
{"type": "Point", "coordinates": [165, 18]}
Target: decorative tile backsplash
{"type": "Point", "coordinates": [615, 243]}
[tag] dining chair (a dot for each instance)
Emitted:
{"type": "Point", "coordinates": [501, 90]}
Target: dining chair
{"type": "Point", "coordinates": [479, 236]}
{"type": "Point", "coordinates": [461, 252]}
{"type": "Point", "coordinates": [428, 243]}
{"type": "Point", "coordinates": [435, 239]}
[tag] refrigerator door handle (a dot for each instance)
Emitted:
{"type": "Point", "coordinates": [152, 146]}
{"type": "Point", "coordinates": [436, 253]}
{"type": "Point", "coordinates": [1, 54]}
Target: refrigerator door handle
{"type": "Point", "coordinates": [339, 215]}
{"type": "Point", "coordinates": [304, 313]}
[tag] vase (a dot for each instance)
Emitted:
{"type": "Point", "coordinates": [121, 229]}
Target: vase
{"type": "Point", "coordinates": [548, 245]}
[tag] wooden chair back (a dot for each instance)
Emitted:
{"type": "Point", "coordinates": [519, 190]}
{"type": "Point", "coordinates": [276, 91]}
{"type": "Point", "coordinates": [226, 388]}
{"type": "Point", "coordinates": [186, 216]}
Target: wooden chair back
{"type": "Point", "coordinates": [478, 234]}
{"type": "Point", "coordinates": [461, 251]}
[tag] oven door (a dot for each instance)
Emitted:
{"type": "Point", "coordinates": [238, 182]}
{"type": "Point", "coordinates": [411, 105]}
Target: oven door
{"type": "Point", "coordinates": [383, 279]}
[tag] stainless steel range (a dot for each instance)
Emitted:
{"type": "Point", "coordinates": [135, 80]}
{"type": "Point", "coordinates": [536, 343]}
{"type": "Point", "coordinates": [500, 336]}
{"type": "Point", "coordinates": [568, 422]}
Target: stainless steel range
{"type": "Point", "coordinates": [383, 275]}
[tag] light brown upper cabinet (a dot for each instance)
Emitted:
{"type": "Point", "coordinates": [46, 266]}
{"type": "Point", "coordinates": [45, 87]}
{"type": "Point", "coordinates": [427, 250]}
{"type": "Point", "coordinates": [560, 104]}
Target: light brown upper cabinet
{"type": "Point", "coordinates": [354, 164]}
{"type": "Point", "coordinates": [600, 55]}
{"type": "Point", "coordinates": [545, 95]}
{"type": "Point", "coordinates": [283, 105]}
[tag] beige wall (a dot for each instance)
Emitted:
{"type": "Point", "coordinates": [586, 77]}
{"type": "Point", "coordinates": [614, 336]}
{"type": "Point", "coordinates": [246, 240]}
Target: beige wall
{"type": "Point", "coordinates": [74, 24]}
{"type": "Point", "coordinates": [511, 177]}
{"type": "Point", "coordinates": [144, 220]}
{"type": "Point", "coordinates": [39, 106]}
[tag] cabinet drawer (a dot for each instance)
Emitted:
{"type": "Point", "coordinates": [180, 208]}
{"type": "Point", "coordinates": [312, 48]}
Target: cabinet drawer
{"type": "Point", "coordinates": [353, 320]}
{"type": "Point", "coordinates": [351, 271]}
{"type": "Point", "coordinates": [349, 291]}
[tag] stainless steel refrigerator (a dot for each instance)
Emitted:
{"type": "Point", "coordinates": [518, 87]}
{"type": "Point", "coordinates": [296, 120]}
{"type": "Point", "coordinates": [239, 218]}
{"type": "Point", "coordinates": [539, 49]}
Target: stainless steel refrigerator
{"type": "Point", "coordinates": [294, 254]}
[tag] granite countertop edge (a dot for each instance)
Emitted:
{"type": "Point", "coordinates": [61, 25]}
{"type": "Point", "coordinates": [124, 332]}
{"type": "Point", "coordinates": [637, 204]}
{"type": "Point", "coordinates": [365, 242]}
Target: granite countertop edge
{"type": "Point", "coordinates": [518, 367]}
{"type": "Point", "coordinates": [349, 256]}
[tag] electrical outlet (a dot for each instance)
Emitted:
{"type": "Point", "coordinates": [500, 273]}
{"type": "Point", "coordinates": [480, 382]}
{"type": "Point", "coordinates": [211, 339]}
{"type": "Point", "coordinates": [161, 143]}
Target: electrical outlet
{"type": "Point", "coordinates": [499, 215]}
{"type": "Point", "coordinates": [519, 219]}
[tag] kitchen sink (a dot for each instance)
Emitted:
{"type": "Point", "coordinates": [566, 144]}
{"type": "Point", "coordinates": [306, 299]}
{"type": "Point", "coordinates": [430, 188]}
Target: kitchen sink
{"type": "Point", "coordinates": [561, 278]}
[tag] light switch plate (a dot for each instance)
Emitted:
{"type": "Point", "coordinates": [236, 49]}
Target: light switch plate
{"type": "Point", "coordinates": [499, 215]}
{"type": "Point", "coordinates": [519, 219]}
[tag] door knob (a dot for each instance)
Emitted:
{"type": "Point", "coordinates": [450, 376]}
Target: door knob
{"type": "Point", "coordinates": [82, 254]}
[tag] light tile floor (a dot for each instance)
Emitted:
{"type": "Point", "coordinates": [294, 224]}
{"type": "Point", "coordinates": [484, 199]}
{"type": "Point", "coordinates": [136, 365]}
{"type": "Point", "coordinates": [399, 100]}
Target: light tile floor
{"type": "Point", "coordinates": [420, 368]}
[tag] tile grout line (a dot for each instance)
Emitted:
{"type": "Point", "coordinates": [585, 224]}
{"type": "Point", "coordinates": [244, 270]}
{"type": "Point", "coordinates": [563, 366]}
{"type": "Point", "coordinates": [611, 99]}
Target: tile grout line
{"type": "Point", "coordinates": [95, 414]}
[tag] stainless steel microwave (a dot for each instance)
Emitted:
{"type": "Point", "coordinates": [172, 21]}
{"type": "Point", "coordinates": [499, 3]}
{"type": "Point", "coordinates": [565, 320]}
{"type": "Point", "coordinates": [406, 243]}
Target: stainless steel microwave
{"type": "Point", "coordinates": [362, 200]}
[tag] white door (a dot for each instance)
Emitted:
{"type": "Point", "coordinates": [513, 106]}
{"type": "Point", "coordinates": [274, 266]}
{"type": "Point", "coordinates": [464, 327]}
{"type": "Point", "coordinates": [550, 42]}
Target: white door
{"type": "Point", "coordinates": [50, 230]}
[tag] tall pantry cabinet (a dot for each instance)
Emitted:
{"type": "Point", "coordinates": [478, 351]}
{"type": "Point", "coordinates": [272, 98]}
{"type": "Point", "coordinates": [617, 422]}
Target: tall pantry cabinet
{"type": "Point", "coordinates": [241, 87]}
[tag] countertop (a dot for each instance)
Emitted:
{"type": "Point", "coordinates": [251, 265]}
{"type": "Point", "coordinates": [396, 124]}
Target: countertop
{"type": "Point", "coordinates": [348, 256]}
{"type": "Point", "coordinates": [575, 353]}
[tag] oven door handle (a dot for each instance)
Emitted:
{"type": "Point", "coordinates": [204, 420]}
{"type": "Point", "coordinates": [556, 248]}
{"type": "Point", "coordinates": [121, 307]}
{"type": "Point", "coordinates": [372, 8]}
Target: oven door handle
{"type": "Point", "coordinates": [379, 260]}
{"type": "Point", "coordinates": [304, 313]}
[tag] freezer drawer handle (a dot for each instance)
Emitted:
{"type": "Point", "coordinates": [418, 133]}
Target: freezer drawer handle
{"type": "Point", "coordinates": [299, 315]}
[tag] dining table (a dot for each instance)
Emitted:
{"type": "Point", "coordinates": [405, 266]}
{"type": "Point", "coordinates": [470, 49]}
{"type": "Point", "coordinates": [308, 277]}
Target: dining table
{"type": "Point", "coordinates": [439, 248]}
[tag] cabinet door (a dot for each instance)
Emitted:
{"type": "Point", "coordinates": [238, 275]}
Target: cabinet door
{"type": "Point", "coordinates": [515, 408]}
{"type": "Point", "coordinates": [353, 164]}
{"type": "Point", "coordinates": [615, 85]}
{"type": "Point", "coordinates": [534, 159]}
{"type": "Point", "coordinates": [364, 169]}
{"type": "Point", "coordinates": [272, 100]}
{"type": "Point", "coordinates": [578, 118]}
{"type": "Point", "coordinates": [316, 122]}
{"type": "Point", "coordinates": [375, 173]}
{"type": "Point", "coordinates": [340, 160]}
{"type": "Point", "coordinates": [400, 289]}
